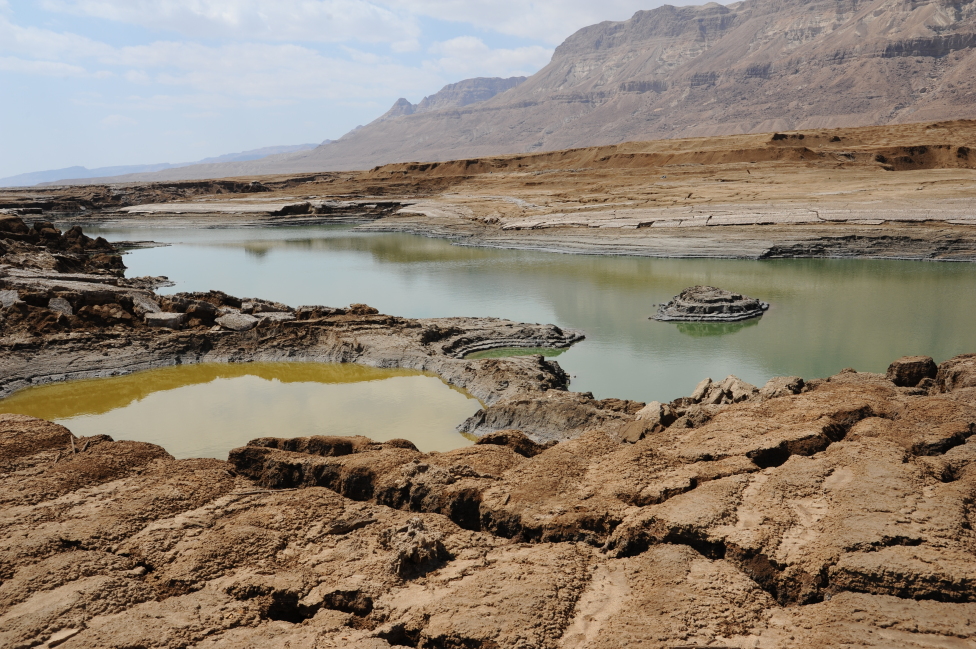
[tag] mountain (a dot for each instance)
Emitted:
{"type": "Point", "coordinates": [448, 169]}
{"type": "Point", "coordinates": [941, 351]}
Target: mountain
{"type": "Point", "coordinates": [752, 66]}
{"type": "Point", "coordinates": [81, 173]}
{"type": "Point", "coordinates": [455, 95]}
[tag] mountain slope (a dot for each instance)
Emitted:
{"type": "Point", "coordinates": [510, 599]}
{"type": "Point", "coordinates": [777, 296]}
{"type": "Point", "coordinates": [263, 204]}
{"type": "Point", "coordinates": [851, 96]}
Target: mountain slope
{"type": "Point", "coordinates": [752, 66]}
{"type": "Point", "coordinates": [72, 175]}
{"type": "Point", "coordinates": [455, 95]}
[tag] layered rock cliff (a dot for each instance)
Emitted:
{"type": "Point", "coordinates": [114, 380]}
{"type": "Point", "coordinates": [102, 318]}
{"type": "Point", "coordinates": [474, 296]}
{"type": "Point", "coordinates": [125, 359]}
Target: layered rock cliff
{"type": "Point", "coordinates": [754, 66]}
{"type": "Point", "coordinates": [748, 67]}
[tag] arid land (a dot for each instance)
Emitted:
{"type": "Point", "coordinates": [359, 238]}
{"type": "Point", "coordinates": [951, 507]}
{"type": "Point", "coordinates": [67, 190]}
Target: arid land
{"type": "Point", "coordinates": [809, 512]}
{"type": "Point", "coordinates": [888, 192]}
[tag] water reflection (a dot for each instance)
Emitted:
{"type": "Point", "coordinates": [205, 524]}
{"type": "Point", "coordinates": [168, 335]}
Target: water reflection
{"type": "Point", "coordinates": [702, 329]}
{"type": "Point", "coordinates": [827, 314]}
{"type": "Point", "coordinates": [206, 410]}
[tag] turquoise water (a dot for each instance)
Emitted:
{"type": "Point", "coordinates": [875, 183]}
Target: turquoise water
{"type": "Point", "coordinates": [825, 315]}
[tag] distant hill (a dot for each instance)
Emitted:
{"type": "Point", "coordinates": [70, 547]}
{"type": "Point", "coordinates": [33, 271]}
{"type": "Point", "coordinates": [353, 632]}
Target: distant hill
{"type": "Point", "coordinates": [455, 95]}
{"type": "Point", "coordinates": [749, 67]}
{"type": "Point", "coordinates": [78, 173]}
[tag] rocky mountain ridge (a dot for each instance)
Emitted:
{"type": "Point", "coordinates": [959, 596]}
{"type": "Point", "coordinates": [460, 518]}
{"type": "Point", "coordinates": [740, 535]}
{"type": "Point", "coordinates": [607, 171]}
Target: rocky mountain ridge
{"type": "Point", "coordinates": [454, 95]}
{"type": "Point", "coordinates": [748, 67]}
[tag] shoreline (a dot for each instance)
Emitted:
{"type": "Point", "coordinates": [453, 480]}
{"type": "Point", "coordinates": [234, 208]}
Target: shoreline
{"type": "Point", "coordinates": [927, 242]}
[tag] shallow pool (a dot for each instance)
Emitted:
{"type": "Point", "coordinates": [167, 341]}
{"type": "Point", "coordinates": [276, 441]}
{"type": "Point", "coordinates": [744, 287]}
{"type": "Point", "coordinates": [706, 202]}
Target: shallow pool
{"type": "Point", "coordinates": [206, 410]}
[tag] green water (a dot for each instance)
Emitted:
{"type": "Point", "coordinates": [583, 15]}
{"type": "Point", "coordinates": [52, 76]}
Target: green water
{"type": "Point", "coordinates": [206, 410]}
{"type": "Point", "coordinates": [825, 315]}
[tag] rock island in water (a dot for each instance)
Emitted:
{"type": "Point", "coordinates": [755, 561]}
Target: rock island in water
{"type": "Point", "coordinates": [710, 304]}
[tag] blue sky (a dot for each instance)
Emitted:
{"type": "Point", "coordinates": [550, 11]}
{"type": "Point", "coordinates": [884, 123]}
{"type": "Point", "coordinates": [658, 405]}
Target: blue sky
{"type": "Point", "coordinates": [114, 82]}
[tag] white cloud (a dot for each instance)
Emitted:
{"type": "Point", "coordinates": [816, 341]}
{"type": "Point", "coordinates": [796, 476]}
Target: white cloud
{"type": "Point", "coordinates": [550, 21]}
{"type": "Point", "coordinates": [46, 44]}
{"type": "Point", "coordinates": [116, 121]}
{"type": "Point", "coordinates": [41, 68]}
{"type": "Point", "coordinates": [277, 20]}
{"type": "Point", "coordinates": [468, 56]}
{"type": "Point", "coordinates": [268, 71]}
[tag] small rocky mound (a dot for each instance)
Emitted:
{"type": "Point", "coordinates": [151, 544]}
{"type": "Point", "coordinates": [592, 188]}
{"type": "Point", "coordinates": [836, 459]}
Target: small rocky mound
{"type": "Point", "coordinates": [710, 304]}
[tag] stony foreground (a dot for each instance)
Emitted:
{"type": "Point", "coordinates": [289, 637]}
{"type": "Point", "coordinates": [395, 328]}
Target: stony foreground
{"type": "Point", "coordinates": [836, 512]}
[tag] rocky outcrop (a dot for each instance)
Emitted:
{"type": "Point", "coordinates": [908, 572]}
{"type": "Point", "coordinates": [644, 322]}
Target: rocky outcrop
{"type": "Point", "coordinates": [910, 371]}
{"type": "Point", "coordinates": [710, 304]}
{"type": "Point", "coordinates": [823, 512]}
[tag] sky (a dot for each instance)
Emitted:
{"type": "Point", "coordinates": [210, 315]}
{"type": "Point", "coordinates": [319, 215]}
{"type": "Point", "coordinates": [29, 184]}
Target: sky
{"type": "Point", "coordinates": [118, 82]}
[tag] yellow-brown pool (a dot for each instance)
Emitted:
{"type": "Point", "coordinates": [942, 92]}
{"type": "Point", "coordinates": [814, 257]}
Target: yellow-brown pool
{"type": "Point", "coordinates": [206, 410]}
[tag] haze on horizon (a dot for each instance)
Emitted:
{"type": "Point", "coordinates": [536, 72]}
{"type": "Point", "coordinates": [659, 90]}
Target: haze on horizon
{"type": "Point", "coordinates": [115, 82]}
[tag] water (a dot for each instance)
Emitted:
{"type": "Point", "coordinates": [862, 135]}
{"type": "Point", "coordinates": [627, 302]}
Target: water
{"type": "Point", "coordinates": [206, 410]}
{"type": "Point", "coordinates": [825, 315]}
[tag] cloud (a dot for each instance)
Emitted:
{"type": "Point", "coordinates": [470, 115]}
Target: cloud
{"type": "Point", "coordinates": [41, 68]}
{"type": "Point", "coordinates": [550, 21]}
{"type": "Point", "coordinates": [118, 120]}
{"type": "Point", "coordinates": [269, 71]}
{"type": "Point", "coordinates": [277, 20]}
{"type": "Point", "coordinates": [46, 44]}
{"type": "Point", "coordinates": [468, 56]}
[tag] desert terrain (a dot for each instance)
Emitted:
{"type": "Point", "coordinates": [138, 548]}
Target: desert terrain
{"type": "Point", "coordinates": [807, 512]}
{"type": "Point", "coordinates": [890, 191]}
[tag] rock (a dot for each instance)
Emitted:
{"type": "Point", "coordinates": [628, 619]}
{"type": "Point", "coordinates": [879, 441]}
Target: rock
{"type": "Point", "coordinates": [60, 305]}
{"type": "Point", "coordinates": [652, 418]}
{"type": "Point", "coordinates": [957, 373]}
{"type": "Point", "coordinates": [276, 316]}
{"type": "Point", "coordinates": [62, 636]}
{"type": "Point", "coordinates": [554, 415]}
{"type": "Point", "coordinates": [710, 304]}
{"type": "Point", "coordinates": [237, 321]}
{"type": "Point", "coordinates": [167, 319]}
{"type": "Point", "coordinates": [109, 313]}
{"type": "Point", "coordinates": [908, 371]}
{"type": "Point", "coordinates": [732, 389]}
{"type": "Point", "coordinates": [263, 306]}
{"type": "Point", "coordinates": [362, 309]}
{"type": "Point", "coordinates": [141, 304]}
{"type": "Point", "coordinates": [781, 386]}
{"type": "Point", "coordinates": [201, 310]}
{"type": "Point", "coordinates": [515, 440]}
{"type": "Point", "coordinates": [8, 297]}
{"type": "Point", "coordinates": [13, 225]}
{"type": "Point", "coordinates": [701, 390]}
{"type": "Point", "coordinates": [415, 548]}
